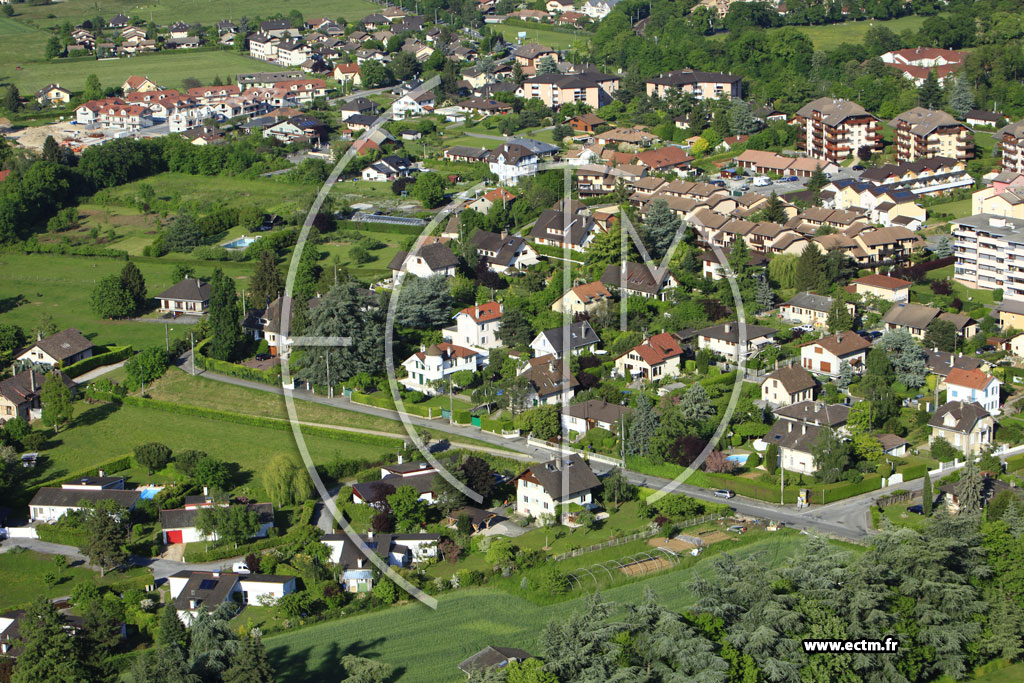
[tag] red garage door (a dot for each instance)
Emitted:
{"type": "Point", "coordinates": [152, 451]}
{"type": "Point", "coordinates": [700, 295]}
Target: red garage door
{"type": "Point", "coordinates": [175, 536]}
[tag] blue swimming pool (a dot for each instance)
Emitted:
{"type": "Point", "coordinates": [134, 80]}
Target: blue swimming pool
{"type": "Point", "coordinates": [240, 243]}
{"type": "Point", "coordinates": [150, 492]}
{"type": "Point", "coordinates": [739, 458]}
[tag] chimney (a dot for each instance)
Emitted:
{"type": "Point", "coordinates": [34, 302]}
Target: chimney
{"type": "Point", "coordinates": [790, 426]}
{"type": "Point", "coordinates": [359, 563]}
{"type": "Point", "coordinates": [39, 335]}
{"type": "Point", "coordinates": [400, 458]}
{"type": "Point", "coordinates": [839, 337]}
{"type": "Point", "coordinates": [100, 473]}
{"type": "Point", "coordinates": [728, 327]}
{"type": "Point", "coordinates": [803, 428]}
{"type": "Point", "coordinates": [32, 380]}
{"type": "Point", "coordinates": [206, 491]}
{"type": "Point", "coordinates": [369, 535]}
{"type": "Point", "coordinates": [216, 575]}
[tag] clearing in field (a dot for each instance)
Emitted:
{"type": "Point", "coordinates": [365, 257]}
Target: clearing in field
{"type": "Point", "coordinates": [555, 39]}
{"type": "Point", "coordinates": [641, 567]}
{"type": "Point", "coordinates": [673, 544]}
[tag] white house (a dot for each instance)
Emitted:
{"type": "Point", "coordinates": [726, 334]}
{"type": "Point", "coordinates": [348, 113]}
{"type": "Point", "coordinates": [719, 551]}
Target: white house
{"type": "Point", "coordinates": [430, 259]}
{"type": "Point", "coordinates": [413, 105]}
{"type": "Point", "coordinates": [435, 363]}
{"type": "Point", "coordinates": [550, 381]}
{"type": "Point", "coordinates": [788, 385]}
{"type": "Point", "coordinates": [795, 439]}
{"type": "Point", "coordinates": [388, 168]}
{"type": "Point", "coordinates": [724, 339]}
{"type": "Point", "coordinates": [543, 488]}
{"type": "Point", "coordinates": [502, 251]}
{"type": "Point", "coordinates": [476, 327]}
{"type": "Point", "coordinates": [51, 503]}
{"type": "Point", "coordinates": [598, 9]}
{"type": "Point", "coordinates": [827, 354]}
{"type": "Point", "coordinates": [188, 297]}
{"type": "Point", "coordinates": [510, 162]}
{"type": "Point", "coordinates": [58, 350]}
{"type": "Point", "coordinates": [586, 415]}
{"type": "Point", "coordinates": [581, 337]}
{"type": "Point", "coordinates": [191, 590]}
{"type": "Point", "coordinates": [397, 550]}
{"type": "Point", "coordinates": [973, 386]}
{"type": "Point", "coordinates": [807, 308]}
{"type": "Point", "coordinates": [967, 426]}
{"type": "Point", "coordinates": [654, 358]}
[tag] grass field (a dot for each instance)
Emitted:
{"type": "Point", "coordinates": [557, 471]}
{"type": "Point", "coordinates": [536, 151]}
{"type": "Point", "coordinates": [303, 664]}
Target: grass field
{"type": "Point", "coordinates": [21, 574]}
{"type": "Point", "coordinates": [469, 620]}
{"type": "Point", "coordinates": [833, 35]}
{"type": "Point", "coordinates": [267, 194]}
{"type": "Point", "coordinates": [544, 36]}
{"type": "Point", "coordinates": [104, 431]}
{"type": "Point", "coordinates": [59, 287]}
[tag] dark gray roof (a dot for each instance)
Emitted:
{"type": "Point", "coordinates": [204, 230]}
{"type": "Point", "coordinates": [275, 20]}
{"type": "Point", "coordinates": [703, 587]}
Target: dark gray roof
{"type": "Point", "coordinates": [437, 256]}
{"type": "Point", "coordinates": [551, 225]}
{"type": "Point", "coordinates": [941, 362]}
{"type": "Point", "coordinates": [577, 473]}
{"type": "Point", "coordinates": [504, 247]}
{"type": "Point", "coordinates": [423, 483]}
{"type": "Point", "coordinates": [798, 436]}
{"type": "Point", "coordinates": [493, 656]}
{"type": "Point", "coordinates": [408, 467]}
{"type": "Point", "coordinates": [595, 409]}
{"type": "Point", "coordinates": [965, 415]}
{"type": "Point", "coordinates": [183, 518]}
{"type": "Point", "coordinates": [639, 277]}
{"type": "Point", "coordinates": [18, 389]}
{"type": "Point", "coordinates": [64, 344]}
{"type": "Point", "coordinates": [911, 315]}
{"type": "Point", "coordinates": [49, 496]}
{"type": "Point", "coordinates": [731, 332]}
{"type": "Point", "coordinates": [189, 289]}
{"type": "Point", "coordinates": [815, 412]}
{"type": "Point", "coordinates": [814, 302]}
{"type": "Point", "coordinates": [466, 151]}
{"type": "Point", "coordinates": [209, 589]}
{"type": "Point", "coordinates": [581, 334]}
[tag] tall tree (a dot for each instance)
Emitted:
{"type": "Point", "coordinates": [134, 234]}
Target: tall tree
{"type": "Point", "coordinates": [659, 227]}
{"type": "Point", "coordinates": [810, 268]}
{"type": "Point", "coordinates": [93, 89]}
{"type": "Point", "coordinates": [170, 630]}
{"type": "Point", "coordinates": [410, 512]}
{"type": "Point", "coordinates": [961, 99]}
{"type": "Point", "coordinates": [940, 334]}
{"type": "Point", "coordinates": [927, 497]}
{"type": "Point", "coordinates": [425, 303]}
{"type": "Point", "coordinates": [775, 210]}
{"type": "Point", "coordinates": [110, 299]}
{"type": "Point", "coordinates": [547, 65]}
{"type": "Point", "coordinates": [344, 315]}
{"type": "Point", "coordinates": [134, 285]}
{"type": "Point", "coordinates": [929, 95]}
{"type": "Point", "coordinates": [152, 456]}
{"type": "Point", "coordinates": [106, 526]}
{"type": "Point", "coordinates": [741, 118]}
{"type": "Point", "coordinates": [763, 293]}
{"type": "Point", "coordinates": [514, 330]}
{"type": "Point", "coordinates": [831, 456]}
{"type": "Point", "coordinates": [817, 180]}
{"type": "Point", "coordinates": [641, 429]}
{"type": "Point", "coordinates": [249, 663]}
{"type": "Point", "coordinates": [286, 480]}
{"type": "Point", "coordinates": [968, 489]}
{"type": "Point", "coordinates": [267, 282]}
{"type": "Point", "coordinates": [49, 654]}
{"type": "Point", "coordinates": [695, 405]}
{"type": "Point", "coordinates": [839, 318]}
{"type": "Point", "coordinates": [56, 399]}
{"type": "Point", "coordinates": [224, 318]}
{"type": "Point", "coordinates": [907, 357]}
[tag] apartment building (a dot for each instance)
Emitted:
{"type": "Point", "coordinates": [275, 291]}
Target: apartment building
{"type": "Point", "coordinates": [1011, 140]}
{"type": "Point", "coordinates": [989, 253]}
{"type": "Point", "coordinates": [925, 133]}
{"type": "Point", "coordinates": [703, 85]}
{"type": "Point", "coordinates": [833, 130]}
{"type": "Point", "coordinates": [591, 87]}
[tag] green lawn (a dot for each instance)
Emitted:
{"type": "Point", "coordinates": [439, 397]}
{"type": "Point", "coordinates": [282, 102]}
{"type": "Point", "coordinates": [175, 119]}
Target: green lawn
{"type": "Point", "coordinates": [21, 574]}
{"type": "Point", "coordinates": [469, 620]}
{"type": "Point", "coordinates": [102, 432]}
{"type": "Point", "coordinates": [40, 285]}
{"type": "Point", "coordinates": [833, 35]}
{"type": "Point", "coordinates": [957, 209]}
{"type": "Point", "coordinates": [272, 196]}
{"type": "Point", "coordinates": [897, 515]}
{"type": "Point", "coordinates": [544, 36]}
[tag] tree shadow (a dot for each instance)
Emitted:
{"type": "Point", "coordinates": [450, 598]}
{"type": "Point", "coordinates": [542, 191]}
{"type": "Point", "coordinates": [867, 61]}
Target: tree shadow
{"type": "Point", "coordinates": [238, 476]}
{"type": "Point", "coordinates": [295, 664]}
{"type": "Point", "coordinates": [95, 414]}
{"type": "Point", "coordinates": [9, 303]}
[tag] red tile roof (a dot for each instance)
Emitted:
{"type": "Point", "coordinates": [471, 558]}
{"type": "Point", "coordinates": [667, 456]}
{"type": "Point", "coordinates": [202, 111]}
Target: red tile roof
{"type": "Point", "coordinates": [484, 312]}
{"type": "Point", "coordinates": [658, 349]}
{"type": "Point", "coordinates": [882, 281]}
{"type": "Point", "coordinates": [972, 379]}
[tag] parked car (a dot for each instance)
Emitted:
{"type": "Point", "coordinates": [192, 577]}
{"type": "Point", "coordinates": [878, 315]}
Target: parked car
{"type": "Point", "coordinates": [719, 183]}
{"type": "Point", "coordinates": [916, 509]}
{"type": "Point", "coordinates": [724, 493]}
{"type": "Point", "coordinates": [240, 568]}
{"type": "Point", "coordinates": [262, 356]}
{"type": "Point", "coordinates": [737, 528]}
{"type": "Point", "coordinates": [873, 334]}
{"type": "Point", "coordinates": [858, 167]}
{"type": "Point", "coordinates": [792, 179]}
{"type": "Point", "coordinates": [802, 329]}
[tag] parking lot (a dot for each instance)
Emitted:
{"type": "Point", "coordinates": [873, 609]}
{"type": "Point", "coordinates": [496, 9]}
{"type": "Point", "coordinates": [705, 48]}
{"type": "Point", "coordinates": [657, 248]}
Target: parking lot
{"type": "Point", "coordinates": [780, 187]}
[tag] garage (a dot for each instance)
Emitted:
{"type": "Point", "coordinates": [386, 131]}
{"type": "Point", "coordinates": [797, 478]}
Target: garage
{"type": "Point", "coordinates": [174, 536]}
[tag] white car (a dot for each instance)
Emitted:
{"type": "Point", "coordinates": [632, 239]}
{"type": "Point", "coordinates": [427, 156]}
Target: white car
{"type": "Point", "coordinates": [240, 568]}
{"type": "Point", "coordinates": [762, 181]}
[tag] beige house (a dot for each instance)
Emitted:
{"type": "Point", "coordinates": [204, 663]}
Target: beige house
{"type": "Point", "coordinates": [884, 287]}
{"type": "Point", "coordinates": [58, 350]}
{"type": "Point", "coordinates": [1011, 314]}
{"type": "Point", "coordinates": [587, 298]}
{"type": "Point", "coordinates": [966, 426]}
{"type": "Point", "coordinates": [826, 355]}
{"type": "Point", "coordinates": [833, 129]}
{"type": "Point", "coordinates": [138, 84]}
{"type": "Point", "coordinates": [591, 87]}
{"type": "Point", "coordinates": [544, 488]}
{"type": "Point", "coordinates": [807, 308]}
{"type": "Point", "coordinates": [915, 318]}
{"type": "Point", "coordinates": [788, 385]}
{"type": "Point", "coordinates": [188, 297]}
{"type": "Point", "coordinates": [20, 395]}
{"type": "Point", "coordinates": [656, 357]}
{"type": "Point", "coordinates": [703, 85]}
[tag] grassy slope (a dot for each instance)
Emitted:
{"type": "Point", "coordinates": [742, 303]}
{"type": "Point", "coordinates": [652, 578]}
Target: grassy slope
{"type": "Point", "coordinates": [102, 432]}
{"type": "Point", "coordinates": [59, 286]}
{"type": "Point", "coordinates": [542, 35]}
{"type": "Point", "coordinates": [832, 35]}
{"type": "Point", "coordinates": [408, 637]}
{"type": "Point", "coordinates": [22, 577]}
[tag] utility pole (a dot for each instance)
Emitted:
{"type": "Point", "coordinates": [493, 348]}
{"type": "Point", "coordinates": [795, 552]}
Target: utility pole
{"type": "Point", "coordinates": [782, 485]}
{"type": "Point", "coordinates": [192, 336]}
{"type": "Point", "coordinates": [451, 401]}
{"type": "Point", "coordinates": [167, 338]}
{"type": "Point", "coordinates": [330, 390]}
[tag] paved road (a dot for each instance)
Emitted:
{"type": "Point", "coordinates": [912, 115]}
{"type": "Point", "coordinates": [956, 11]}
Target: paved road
{"type": "Point", "coordinates": [98, 372]}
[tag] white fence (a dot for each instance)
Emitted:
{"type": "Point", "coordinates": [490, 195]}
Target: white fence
{"type": "Point", "coordinates": [21, 532]}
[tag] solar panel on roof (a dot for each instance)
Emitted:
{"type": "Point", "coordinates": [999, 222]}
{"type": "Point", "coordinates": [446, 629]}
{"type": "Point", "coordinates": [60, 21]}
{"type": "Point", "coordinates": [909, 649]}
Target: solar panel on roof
{"type": "Point", "coordinates": [207, 585]}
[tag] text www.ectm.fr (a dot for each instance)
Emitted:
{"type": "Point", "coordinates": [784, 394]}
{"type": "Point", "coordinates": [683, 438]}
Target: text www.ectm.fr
{"type": "Point", "coordinates": [888, 645]}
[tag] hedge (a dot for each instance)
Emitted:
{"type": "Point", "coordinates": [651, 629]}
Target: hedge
{"type": "Point", "coordinates": [194, 555]}
{"type": "Point", "coordinates": [491, 425]}
{"type": "Point", "coordinates": [66, 250]}
{"type": "Point", "coordinates": [462, 417]}
{"type": "Point", "coordinates": [387, 403]}
{"type": "Point", "coordinates": [408, 230]}
{"type": "Point", "coordinates": [54, 534]}
{"type": "Point", "coordinates": [254, 421]}
{"type": "Point", "coordinates": [114, 355]}
{"type": "Point", "coordinates": [912, 471]}
{"type": "Point", "coordinates": [272, 377]}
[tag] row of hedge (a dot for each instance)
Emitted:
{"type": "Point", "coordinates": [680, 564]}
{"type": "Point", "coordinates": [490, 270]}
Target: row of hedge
{"type": "Point", "coordinates": [118, 464]}
{"type": "Point", "coordinates": [115, 355]}
{"type": "Point", "coordinates": [385, 228]}
{"type": "Point", "coordinates": [255, 421]}
{"type": "Point", "coordinates": [272, 376]}
{"type": "Point", "coordinates": [35, 247]}
{"type": "Point", "coordinates": [51, 533]}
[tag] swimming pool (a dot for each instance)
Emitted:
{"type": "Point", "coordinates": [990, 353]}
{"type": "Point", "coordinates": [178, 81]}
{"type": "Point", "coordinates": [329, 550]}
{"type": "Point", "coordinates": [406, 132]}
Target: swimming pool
{"type": "Point", "coordinates": [739, 458]}
{"type": "Point", "coordinates": [149, 492]}
{"type": "Point", "coordinates": [240, 243]}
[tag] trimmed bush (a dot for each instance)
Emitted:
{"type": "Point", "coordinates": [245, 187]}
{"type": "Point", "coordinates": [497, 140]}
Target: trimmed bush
{"type": "Point", "coordinates": [114, 355]}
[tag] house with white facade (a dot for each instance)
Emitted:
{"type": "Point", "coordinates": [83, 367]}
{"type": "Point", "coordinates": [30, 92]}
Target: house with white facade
{"type": "Point", "coordinates": [388, 168]}
{"type": "Point", "coordinates": [179, 524]}
{"type": "Point", "coordinates": [430, 259]}
{"type": "Point", "coordinates": [656, 357]}
{"type": "Point", "coordinates": [420, 475]}
{"type": "Point", "coordinates": [550, 381]}
{"type": "Point", "coordinates": [476, 327]}
{"type": "Point", "coordinates": [396, 550]}
{"type": "Point", "coordinates": [788, 385]}
{"type": "Point", "coordinates": [807, 308]}
{"type": "Point", "coordinates": [191, 590]}
{"type": "Point", "coordinates": [413, 105]}
{"type": "Point", "coordinates": [586, 298]}
{"type": "Point", "coordinates": [586, 415]}
{"type": "Point", "coordinates": [503, 252]}
{"type": "Point", "coordinates": [544, 488]}
{"type": "Point", "coordinates": [436, 363]}
{"type": "Point", "coordinates": [581, 337]}
{"type": "Point", "coordinates": [517, 158]}
{"type": "Point", "coordinates": [826, 355]}
{"type": "Point", "coordinates": [58, 350]}
{"type": "Point", "coordinates": [51, 503]}
{"type": "Point", "coordinates": [724, 339]}
{"type": "Point", "coordinates": [974, 386]}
